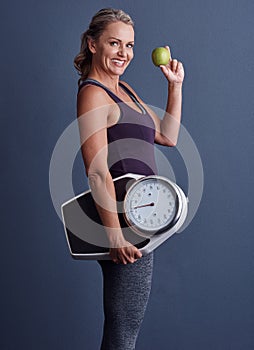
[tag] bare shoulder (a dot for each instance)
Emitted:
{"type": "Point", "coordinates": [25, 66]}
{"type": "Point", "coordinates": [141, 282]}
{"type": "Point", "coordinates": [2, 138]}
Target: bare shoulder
{"type": "Point", "coordinates": [91, 97]}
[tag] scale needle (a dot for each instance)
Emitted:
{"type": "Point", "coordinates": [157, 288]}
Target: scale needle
{"type": "Point", "coordinates": [144, 205]}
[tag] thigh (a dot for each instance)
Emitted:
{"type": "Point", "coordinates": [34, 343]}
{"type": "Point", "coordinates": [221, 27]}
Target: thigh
{"type": "Point", "coordinates": [127, 288]}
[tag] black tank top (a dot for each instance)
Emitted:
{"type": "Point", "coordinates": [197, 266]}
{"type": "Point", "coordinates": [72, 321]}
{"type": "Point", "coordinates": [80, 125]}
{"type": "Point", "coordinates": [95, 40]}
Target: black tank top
{"type": "Point", "coordinates": [131, 139]}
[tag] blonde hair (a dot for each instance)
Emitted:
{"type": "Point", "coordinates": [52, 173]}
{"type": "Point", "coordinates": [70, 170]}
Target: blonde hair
{"type": "Point", "coordinates": [100, 20]}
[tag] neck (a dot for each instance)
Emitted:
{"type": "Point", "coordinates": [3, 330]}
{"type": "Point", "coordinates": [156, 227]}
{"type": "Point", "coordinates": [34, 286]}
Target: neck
{"type": "Point", "coordinates": [110, 81]}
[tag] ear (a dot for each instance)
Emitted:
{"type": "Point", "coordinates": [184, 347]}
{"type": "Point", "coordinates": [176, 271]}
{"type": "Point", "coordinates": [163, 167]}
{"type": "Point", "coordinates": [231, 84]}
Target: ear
{"type": "Point", "coordinates": [91, 45]}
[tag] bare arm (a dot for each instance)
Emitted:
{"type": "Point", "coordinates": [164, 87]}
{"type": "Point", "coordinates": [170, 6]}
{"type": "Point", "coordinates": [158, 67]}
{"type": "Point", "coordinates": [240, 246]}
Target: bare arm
{"type": "Point", "coordinates": [92, 112]}
{"type": "Point", "coordinates": [170, 124]}
{"type": "Point", "coordinates": [167, 129]}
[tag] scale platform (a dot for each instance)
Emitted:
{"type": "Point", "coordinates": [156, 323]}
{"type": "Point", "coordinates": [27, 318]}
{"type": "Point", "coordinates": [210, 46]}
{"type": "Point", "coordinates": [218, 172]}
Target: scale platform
{"type": "Point", "coordinates": [86, 236]}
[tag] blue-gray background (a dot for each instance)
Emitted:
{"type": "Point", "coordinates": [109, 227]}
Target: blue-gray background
{"type": "Point", "coordinates": [203, 287]}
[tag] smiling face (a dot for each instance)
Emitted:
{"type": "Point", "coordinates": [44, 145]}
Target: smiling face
{"type": "Point", "coordinates": [113, 51]}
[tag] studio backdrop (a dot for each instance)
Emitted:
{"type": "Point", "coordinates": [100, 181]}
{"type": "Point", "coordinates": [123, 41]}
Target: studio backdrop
{"type": "Point", "coordinates": [203, 285]}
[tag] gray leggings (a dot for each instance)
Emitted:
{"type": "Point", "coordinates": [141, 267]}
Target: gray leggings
{"type": "Point", "coordinates": [126, 293]}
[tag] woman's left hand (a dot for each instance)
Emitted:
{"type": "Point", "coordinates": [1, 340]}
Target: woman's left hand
{"type": "Point", "coordinates": [173, 71]}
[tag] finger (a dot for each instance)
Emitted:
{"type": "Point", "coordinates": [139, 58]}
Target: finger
{"type": "Point", "coordinates": [124, 257]}
{"type": "Point", "coordinates": [138, 254]}
{"type": "Point", "coordinates": [180, 70]}
{"type": "Point", "coordinates": [112, 254]}
{"type": "Point", "coordinates": [130, 254]}
{"type": "Point", "coordinates": [133, 255]}
{"type": "Point", "coordinates": [123, 260]}
{"type": "Point", "coordinates": [130, 257]}
{"type": "Point", "coordinates": [164, 70]}
{"type": "Point", "coordinates": [179, 66]}
{"type": "Point", "coordinates": [115, 260]}
{"type": "Point", "coordinates": [167, 47]}
{"type": "Point", "coordinates": [174, 65]}
{"type": "Point", "coordinates": [131, 260]}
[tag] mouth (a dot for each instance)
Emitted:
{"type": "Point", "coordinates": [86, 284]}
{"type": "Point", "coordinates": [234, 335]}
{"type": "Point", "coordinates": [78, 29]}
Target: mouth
{"type": "Point", "coordinates": [118, 63]}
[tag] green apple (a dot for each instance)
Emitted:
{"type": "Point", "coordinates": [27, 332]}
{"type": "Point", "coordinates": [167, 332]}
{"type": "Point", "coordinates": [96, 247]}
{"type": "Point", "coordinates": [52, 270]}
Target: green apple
{"type": "Point", "coordinates": [160, 55]}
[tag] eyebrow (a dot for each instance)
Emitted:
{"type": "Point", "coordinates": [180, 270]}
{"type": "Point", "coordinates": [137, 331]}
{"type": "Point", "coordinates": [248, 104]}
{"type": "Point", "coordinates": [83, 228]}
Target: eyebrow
{"type": "Point", "coordinates": [112, 37]}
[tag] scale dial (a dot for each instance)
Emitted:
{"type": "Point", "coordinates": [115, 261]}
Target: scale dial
{"type": "Point", "coordinates": [151, 205]}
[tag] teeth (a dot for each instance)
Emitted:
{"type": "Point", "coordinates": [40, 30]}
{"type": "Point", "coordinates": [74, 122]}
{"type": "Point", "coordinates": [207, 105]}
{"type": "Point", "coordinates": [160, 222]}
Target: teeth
{"type": "Point", "coordinates": [121, 63]}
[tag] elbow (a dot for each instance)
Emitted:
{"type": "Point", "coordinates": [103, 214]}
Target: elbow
{"type": "Point", "coordinates": [96, 178]}
{"type": "Point", "coordinates": [173, 143]}
{"type": "Point", "coordinates": [168, 142]}
{"type": "Point", "coordinates": [167, 139]}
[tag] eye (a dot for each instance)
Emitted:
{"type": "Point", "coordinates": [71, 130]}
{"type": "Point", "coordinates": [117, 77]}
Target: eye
{"type": "Point", "coordinates": [130, 46]}
{"type": "Point", "coordinates": [113, 43]}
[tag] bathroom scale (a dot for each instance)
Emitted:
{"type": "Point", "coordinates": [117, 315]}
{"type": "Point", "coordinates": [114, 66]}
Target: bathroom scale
{"type": "Point", "coordinates": [150, 210]}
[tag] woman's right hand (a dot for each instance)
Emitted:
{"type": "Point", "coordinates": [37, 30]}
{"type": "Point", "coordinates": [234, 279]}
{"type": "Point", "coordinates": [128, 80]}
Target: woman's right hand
{"type": "Point", "coordinates": [124, 253]}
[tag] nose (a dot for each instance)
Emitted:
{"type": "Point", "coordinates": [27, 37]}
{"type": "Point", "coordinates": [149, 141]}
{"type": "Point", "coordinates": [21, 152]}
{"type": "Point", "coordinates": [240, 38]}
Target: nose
{"type": "Point", "coordinates": [122, 51]}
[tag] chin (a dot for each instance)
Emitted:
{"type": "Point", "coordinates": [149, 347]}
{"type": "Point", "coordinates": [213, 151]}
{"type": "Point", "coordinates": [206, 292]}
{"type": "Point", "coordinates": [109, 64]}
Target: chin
{"type": "Point", "coordinates": [118, 71]}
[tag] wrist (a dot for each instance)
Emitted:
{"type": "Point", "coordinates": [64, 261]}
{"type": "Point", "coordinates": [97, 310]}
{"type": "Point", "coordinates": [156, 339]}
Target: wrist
{"type": "Point", "coordinates": [115, 238]}
{"type": "Point", "coordinates": [174, 86]}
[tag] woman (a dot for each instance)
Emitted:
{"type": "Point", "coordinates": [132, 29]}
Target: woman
{"type": "Point", "coordinates": [111, 113]}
